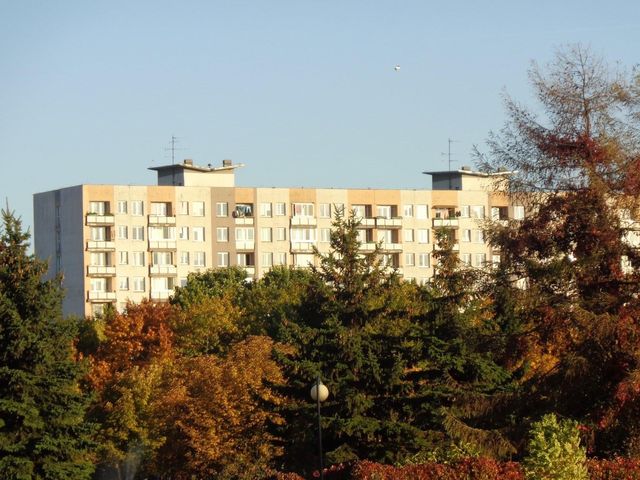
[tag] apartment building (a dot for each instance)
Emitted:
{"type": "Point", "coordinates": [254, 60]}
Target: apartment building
{"type": "Point", "coordinates": [115, 243]}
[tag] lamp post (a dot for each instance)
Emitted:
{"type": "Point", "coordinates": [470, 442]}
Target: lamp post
{"type": "Point", "coordinates": [319, 393]}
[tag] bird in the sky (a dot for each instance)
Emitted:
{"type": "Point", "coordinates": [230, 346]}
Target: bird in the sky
{"type": "Point", "coordinates": [397, 68]}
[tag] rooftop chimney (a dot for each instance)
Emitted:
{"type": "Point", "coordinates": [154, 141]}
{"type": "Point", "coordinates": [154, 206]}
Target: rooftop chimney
{"type": "Point", "coordinates": [188, 161]}
{"type": "Point", "coordinates": [227, 163]}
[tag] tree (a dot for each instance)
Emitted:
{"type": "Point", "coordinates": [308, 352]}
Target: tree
{"type": "Point", "coordinates": [43, 433]}
{"type": "Point", "coordinates": [576, 172]}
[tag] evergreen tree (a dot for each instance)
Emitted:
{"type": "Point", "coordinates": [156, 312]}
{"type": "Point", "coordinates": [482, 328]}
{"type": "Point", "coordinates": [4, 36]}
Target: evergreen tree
{"type": "Point", "coordinates": [42, 429]}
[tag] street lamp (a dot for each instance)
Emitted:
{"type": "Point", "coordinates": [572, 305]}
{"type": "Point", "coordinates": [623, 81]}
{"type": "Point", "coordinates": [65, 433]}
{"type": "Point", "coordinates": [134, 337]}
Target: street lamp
{"type": "Point", "coordinates": [319, 393]}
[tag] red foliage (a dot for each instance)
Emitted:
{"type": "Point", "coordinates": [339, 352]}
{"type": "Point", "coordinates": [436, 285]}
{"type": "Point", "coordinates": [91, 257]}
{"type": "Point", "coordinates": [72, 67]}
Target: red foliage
{"type": "Point", "coordinates": [616, 469]}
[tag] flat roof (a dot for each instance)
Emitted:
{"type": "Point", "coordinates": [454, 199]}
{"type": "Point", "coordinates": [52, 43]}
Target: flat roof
{"type": "Point", "coordinates": [196, 168]}
{"type": "Point", "coordinates": [468, 172]}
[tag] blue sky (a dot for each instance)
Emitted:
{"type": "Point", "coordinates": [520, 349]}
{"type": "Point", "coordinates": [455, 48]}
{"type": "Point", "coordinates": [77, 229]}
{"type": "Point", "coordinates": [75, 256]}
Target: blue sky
{"type": "Point", "coordinates": [302, 92]}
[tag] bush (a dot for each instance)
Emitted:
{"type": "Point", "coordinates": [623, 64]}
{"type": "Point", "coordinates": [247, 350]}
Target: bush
{"type": "Point", "coordinates": [555, 452]}
{"type": "Point", "coordinates": [616, 469]}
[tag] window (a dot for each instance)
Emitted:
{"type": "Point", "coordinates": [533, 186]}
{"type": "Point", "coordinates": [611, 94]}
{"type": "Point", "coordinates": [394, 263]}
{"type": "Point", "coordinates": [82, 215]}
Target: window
{"type": "Point", "coordinates": [325, 235]}
{"type": "Point", "coordinates": [385, 236]}
{"type": "Point", "coordinates": [423, 260]}
{"type": "Point", "coordinates": [123, 283]}
{"type": "Point", "coordinates": [302, 209]}
{"type": "Point", "coordinates": [495, 260]}
{"type": "Point", "coordinates": [478, 236]}
{"type": "Point", "coordinates": [281, 233]}
{"type": "Point", "coordinates": [245, 259]}
{"type": "Point", "coordinates": [122, 232]}
{"type": "Point", "coordinates": [338, 208]}
{"type": "Point", "coordinates": [197, 209]}
{"type": "Point", "coordinates": [162, 233]}
{"type": "Point", "coordinates": [465, 211]}
{"type": "Point", "coordinates": [223, 259]}
{"type": "Point", "coordinates": [137, 233]}
{"type": "Point", "coordinates": [137, 208]}
{"type": "Point", "coordinates": [99, 259]}
{"type": "Point", "coordinates": [197, 234]}
{"type": "Point", "coordinates": [383, 211]}
{"type": "Point", "coordinates": [409, 260]}
{"type": "Point", "coordinates": [183, 233]}
{"type": "Point", "coordinates": [159, 209]}
{"type": "Point", "coordinates": [479, 259]}
{"type": "Point", "coordinates": [466, 235]}
{"type": "Point", "coordinates": [303, 234]}
{"type": "Point", "coordinates": [122, 206]}
{"type": "Point", "coordinates": [324, 210]}
{"type": "Point", "coordinates": [303, 260]}
{"type": "Point", "coordinates": [222, 234]}
{"type": "Point", "coordinates": [123, 258]}
{"type": "Point", "coordinates": [98, 284]}
{"type": "Point", "coordinates": [199, 259]}
{"type": "Point", "coordinates": [421, 212]}
{"type": "Point", "coordinates": [98, 234]}
{"type": "Point", "coordinates": [98, 208]}
{"type": "Point", "coordinates": [407, 211]}
{"type": "Point", "coordinates": [138, 284]}
{"type": "Point", "coordinates": [281, 209]}
{"type": "Point", "coordinates": [408, 235]}
{"type": "Point", "coordinates": [183, 208]}
{"type": "Point", "coordinates": [280, 258]}
{"type": "Point", "coordinates": [245, 234]}
{"type": "Point", "coordinates": [267, 259]}
{"type": "Point", "coordinates": [243, 210]}
{"type": "Point", "coordinates": [265, 210]}
{"type": "Point", "coordinates": [518, 212]}
{"type": "Point", "coordinates": [477, 211]}
{"type": "Point", "coordinates": [184, 258]}
{"type": "Point", "coordinates": [265, 234]}
{"type": "Point", "coordinates": [137, 259]}
{"type": "Point", "coordinates": [162, 258]}
{"type": "Point", "coordinates": [423, 235]}
{"type": "Point", "coordinates": [222, 209]}
{"type": "Point", "coordinates": [466, 259]}
{"type": "Point", "coordinates": [359, 211]}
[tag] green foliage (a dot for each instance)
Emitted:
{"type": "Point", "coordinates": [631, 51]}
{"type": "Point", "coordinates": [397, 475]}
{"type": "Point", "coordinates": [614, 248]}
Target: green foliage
{"type": "Point", "coordinates": [211, 283]}
{"type": "Point", "coordinates": [42, 429]}
{"type": "Point", "coordinates": [554, 451]}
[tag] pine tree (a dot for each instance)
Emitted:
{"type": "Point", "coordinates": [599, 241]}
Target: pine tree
{"type": "Point", "coordinates": [42, 429]}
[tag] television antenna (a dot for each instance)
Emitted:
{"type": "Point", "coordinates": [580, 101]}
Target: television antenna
{"type": "Point", "coordinates": [173, 149]}
{"type": "Point", "coordinates": [449, 159]}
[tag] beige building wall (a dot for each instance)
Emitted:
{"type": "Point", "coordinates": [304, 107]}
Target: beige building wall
{"type": "Point", "coordinates": [145, 240]}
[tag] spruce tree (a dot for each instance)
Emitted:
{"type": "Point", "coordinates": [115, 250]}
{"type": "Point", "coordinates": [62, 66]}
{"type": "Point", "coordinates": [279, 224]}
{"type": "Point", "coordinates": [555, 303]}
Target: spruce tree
{"type": "Point", "coordinates": [42, 430]}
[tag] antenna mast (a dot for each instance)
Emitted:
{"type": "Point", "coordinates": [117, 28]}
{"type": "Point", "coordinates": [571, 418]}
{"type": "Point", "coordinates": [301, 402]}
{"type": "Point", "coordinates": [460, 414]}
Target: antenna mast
{"type": "Point", "coordinates": [449, 159]}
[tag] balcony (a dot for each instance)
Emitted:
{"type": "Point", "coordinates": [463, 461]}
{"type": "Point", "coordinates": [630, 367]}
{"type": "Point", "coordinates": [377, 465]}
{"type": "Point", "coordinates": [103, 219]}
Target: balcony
{"type": "Point", "coordinates": [162, 245]}
{"type": "Point", "coordinates": [367, 222]}
{"type": "Point", "coordinates": [163, 270]}
{"type": "Point", "coordinates": [302, 247]}
{"type": "Point", "coordinates": [445, 222]}
{"type": "Point", "coordinates": [250, 269]}
{"type": "Point", "coordinates": [382, 222]}
{"type": "Point", "coordinates": [160, 294]}
{"type": "Point", "coordinates": [244, 220]}
{"type": "Point", "coordinates": [161, 220]}
{"type": "Point", "coordinates": [391, 247]}
{"type": "Point", "coordinates": [301, 220]}
{"type": "Point", "coordinates": [97, 219]}
{"type": "Point", "coordinates": [367, 246]}
{"type": "Point", "coordinates": [245, 245]}
{"type": "Point", "coordinates": [101, 271]}
{"type": "Point", "coordinates": [96, 296]}
{"type": "Point", "coordinates": [455, 247]}
{"type": "Point", "coordinates": [97, 246]}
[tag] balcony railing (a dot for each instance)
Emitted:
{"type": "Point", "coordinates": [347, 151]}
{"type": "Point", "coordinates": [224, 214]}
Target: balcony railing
{"type": "Point", "coordinates": [302, 247]}
{"type": "Point", "coordinates": [244, 245]}
{"type": "Point", "coordinates": [97, 296]}
{"type": "Point", "coordinates": [95, 245]}
{"type": "Point", "coordinates": [101, 271]}
{"type": "Point", "coordinates": [163, 270]}
{"type": "Point", "coordinates": [160, 294]}
{"type": "Point", "coordinates": [368, 246]}
{"type": "Point", "coordinates": [162, 245]}
{"type": "Point", "coordinates": [161, 220]}
{"type": "Point", "coordinates": [382, 222]}
{"type": "Point", "coordinates": [367, 222]}
{"type": "Point", "coordinates": [244, 220]}
{"type": "Point", "coordinates": [455, 247]}
{"type": "Point", "coordinates": [445, 222]}
{"type": "Point", "coordinates": [391, 247]}
{"type": "Point", "coordinates": [250, 269]}
{"type": "Point", "coordinates": [97, 219]}
{"type": "Point", "coordinates": [304, 221]}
